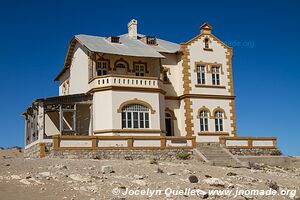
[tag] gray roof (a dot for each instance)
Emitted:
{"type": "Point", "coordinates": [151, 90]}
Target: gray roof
{"type": "Point", "coordinates": [128, 46]}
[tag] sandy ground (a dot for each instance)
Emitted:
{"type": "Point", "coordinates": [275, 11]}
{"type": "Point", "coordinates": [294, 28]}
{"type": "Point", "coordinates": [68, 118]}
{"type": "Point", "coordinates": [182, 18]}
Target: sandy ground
{"type": "Point", "coordinates": [30, 179]}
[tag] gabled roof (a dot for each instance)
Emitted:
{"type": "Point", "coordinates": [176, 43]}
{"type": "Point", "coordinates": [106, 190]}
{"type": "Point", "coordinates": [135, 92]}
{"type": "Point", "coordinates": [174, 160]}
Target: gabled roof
{"type": "Point", "coordinates": [128, 46]}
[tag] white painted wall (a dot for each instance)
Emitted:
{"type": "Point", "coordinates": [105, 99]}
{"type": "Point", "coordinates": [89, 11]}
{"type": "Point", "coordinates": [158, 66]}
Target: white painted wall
{"type": "Point", "coordinates": [106, 104]}
{"type": "Point", "coordinates": [79, 71]}
{"type": "Point", "coordinates": [218, 55]}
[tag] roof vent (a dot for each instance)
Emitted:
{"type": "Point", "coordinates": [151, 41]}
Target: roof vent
{"type": "Point", "coordinates": [115, 39]}
{"type": "Point", "coordinates": [132, 28]}
{"type": "Point", "coordinates": [150, 40]}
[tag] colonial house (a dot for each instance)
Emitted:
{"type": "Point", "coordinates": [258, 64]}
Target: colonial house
{"type": "Point", "coordinates": [139, 88]}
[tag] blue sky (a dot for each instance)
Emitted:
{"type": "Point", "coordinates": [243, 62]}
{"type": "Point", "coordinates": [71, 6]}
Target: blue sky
{"type": "Point", "coordinates": [265, 37]}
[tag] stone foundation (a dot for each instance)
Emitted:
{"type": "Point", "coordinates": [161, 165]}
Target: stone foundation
{"type": "Point", "coordinates": [254, 152]}
{"type": "Point", "coordinates": [35, 150]}
{"type": "Point", "coordinates": [164, 154]}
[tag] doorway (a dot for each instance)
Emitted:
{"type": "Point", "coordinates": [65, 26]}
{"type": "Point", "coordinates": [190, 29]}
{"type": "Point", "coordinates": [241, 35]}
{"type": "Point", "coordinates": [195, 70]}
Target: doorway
{"type": "Point", "coordinates": [169, 124]}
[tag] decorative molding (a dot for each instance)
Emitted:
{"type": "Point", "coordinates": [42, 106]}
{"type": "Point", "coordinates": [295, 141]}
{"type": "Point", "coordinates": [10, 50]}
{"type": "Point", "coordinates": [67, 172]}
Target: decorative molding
{"type": "Point", "coordinates": [123, 61]}
{"type": "Point", "coordinates": [213, 133]}
{"type": "Point", "coordinates": [210, 86]}
{"type": "Point", "coordinates": [129, 131]}
{"type": "Point", "coordinates": [136, 101]}
{"type": "Point", "coordinates": [203, 108]}
{"type": "Point", "coordinates": [221, 110]}
{"type": "Point", "coordinates": [200, 96]}
{"type": "Point", "coordinates": [124, 88]}
{"type": "Point", "coordinates": [189, 126]}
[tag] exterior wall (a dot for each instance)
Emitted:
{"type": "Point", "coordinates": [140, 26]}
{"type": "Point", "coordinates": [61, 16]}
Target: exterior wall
{"type": "Point", "coordinates": [211, 104]}
{"type": "Point", "coordinates": [79, 71]}
{"type": "Point", "coordinates": [65, 77]}
{"type": "Point", "coordinates": [174, 74]}
{"type": "Point", "coordinates": [107, 103]}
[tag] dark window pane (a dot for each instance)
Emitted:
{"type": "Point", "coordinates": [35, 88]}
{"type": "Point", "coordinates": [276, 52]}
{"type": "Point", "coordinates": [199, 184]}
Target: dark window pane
{"type": "Point", "coordinates": [135, 120]}
{"type": "Point", "coordinates": [141, 120]}
{"type": "Point", "coordinates": [129, 120]}
{"type": "Point", "coordinates": [146, 120]}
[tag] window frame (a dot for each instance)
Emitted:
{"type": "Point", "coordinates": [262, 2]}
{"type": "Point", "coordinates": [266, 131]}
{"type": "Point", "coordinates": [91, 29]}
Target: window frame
{"type": "Point", "coordinates": [136, 117]}
{"type": "Point", "coordinates": [204, 121]}
{"type": "Point", "coordinates": [216, 75]}
{"type": "Point", "coordinates": [219, 121]}
{"type": "Point", "coordinates": [137, 69]}
{"type": "Point", "coordinates": [201, 74]}
{"type": "Point", "coordinates": [101, 68]}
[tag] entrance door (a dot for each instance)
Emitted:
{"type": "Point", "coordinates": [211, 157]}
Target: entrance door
{"type": "Point", "coordinates": [169, 125]}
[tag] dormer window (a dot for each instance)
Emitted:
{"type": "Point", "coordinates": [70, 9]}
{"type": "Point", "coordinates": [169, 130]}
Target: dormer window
{"type": "Point", "coordinates": [151, 40]}
{"type": "Point", "coordinates": [206, 43]}
{"type": "Point", "coordinates": [114, 39]}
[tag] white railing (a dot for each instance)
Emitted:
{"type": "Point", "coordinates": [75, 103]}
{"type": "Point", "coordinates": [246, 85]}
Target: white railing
{"type": "Point", "coordinates": [124, 81]}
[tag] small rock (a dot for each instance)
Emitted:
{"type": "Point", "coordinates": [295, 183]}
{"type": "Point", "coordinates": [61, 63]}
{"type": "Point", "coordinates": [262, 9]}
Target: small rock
{"type": "Point", "coordinates": [207, 176]}
{"type": "Point", "coordinates": [273, 185]}
{"type": "Point", "coordinates": [171, 173]}
{"type": "Point", "coordinates": [24, 181]}
{"type": "Point", "coordinates": [214, 182]}
{"type": "Point", "coordinates": [159, 170]}
{"type": "Point", "coordinates": [193, 179]}
{"type": "Point", "coordinates": [44, 174]}
{"type": "Point", "coordinates": [138, 177]}
{"type": "Point", "coordinates": [7, 165]}
{"type": "Point", "coordinates": [139, 182]}
{"type": "Point", "coordinates": [153, 161]}
{"type": "Point", "coordinates": [107, 169]}
{"type": "Point", "coordinates": [202, 194]}
{"type": "Point", "coordinates": [15, 177]}
{"type": "Point", "coordinates": [78, 177]}
{"type": "Point", "coordinates": [231, 174]}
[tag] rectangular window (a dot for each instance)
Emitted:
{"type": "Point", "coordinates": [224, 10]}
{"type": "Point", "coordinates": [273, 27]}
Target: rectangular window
{"type": "Point", "coordinates": [140, 69]}
{"type": "Point", "coordinates": [215, 75]}
{"type": "Point", "coordinates": [146, 120]}
{"type": "Point", "coordinates": [200, 74]}
{"type": "Point", "coordinates": [101, 68]}
{"type": "Point", "coordinates": [135, 120]}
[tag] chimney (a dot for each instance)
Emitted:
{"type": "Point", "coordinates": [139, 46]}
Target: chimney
{"type": "Point", "coordinates": [132, 28]}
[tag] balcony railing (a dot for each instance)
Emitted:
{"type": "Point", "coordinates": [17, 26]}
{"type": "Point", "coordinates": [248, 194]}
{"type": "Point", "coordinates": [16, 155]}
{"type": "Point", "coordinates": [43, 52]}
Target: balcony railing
{"type": "Point", "coordinates": [113, 80]}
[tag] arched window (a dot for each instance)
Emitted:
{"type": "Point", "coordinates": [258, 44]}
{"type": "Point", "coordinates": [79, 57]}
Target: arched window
{"type": "Point", "coordinates": [120, 64]}
{"type": "Point", "coordinates": [135, 116]}
{"type": "Point", "coordinates": [203, 120]}
{"type": "Point", "coordinates": [219, 121]}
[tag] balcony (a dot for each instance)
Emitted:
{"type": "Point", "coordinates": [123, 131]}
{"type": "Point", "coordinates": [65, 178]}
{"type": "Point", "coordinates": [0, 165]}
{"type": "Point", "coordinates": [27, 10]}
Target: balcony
{"type": "Point", "coordinates": [111, 81]}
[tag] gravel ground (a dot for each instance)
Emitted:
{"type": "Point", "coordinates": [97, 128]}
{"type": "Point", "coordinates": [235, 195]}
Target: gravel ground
{"type": "Point", "coordinates": [30, 179]}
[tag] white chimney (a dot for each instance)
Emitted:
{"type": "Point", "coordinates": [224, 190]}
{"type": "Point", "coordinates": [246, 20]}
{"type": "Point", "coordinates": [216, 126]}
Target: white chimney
{"type": "Point", "coordinates": [132, 28]}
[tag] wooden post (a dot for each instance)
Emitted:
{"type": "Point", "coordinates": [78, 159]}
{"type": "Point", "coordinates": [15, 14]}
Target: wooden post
{"type": "Point", "coordinates": [163, 142]}
{"type": "Point", "coordinates": [42, 150]}
{"type": "Point", "coordinates": [130, 143]}
{"type": "Point", "coordinates": [250, 142]}
{"type": "Point", "coordinates": [56, 142]}
{"type": "Point", "coordinates": [94, 142]}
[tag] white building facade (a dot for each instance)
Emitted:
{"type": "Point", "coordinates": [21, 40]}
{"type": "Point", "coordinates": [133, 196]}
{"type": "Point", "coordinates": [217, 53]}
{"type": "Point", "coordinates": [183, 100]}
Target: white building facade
{"type": "Point", "coordinates": [139, 85]}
